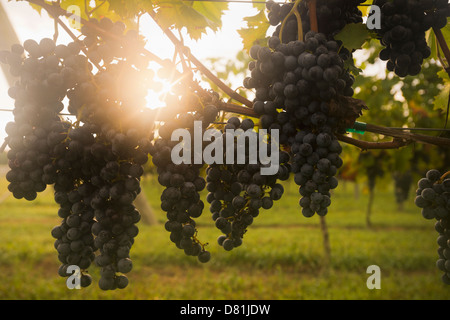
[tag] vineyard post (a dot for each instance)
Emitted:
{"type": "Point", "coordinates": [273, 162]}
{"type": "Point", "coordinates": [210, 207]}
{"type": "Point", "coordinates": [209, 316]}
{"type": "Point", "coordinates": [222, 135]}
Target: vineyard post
{"type": "Point", "coordinates": [323, 223]}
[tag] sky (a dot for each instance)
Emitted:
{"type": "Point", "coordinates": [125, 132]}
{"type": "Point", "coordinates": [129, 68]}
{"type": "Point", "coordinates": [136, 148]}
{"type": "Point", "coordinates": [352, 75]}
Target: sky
{"type": "Point", "coordinates": [28, 24]}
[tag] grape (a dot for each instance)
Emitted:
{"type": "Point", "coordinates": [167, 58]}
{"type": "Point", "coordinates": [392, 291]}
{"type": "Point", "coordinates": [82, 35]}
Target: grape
{"type": "Point", "coordinates": [402, 33]}
{"type": "Point", "coordinates": [183, 182]}
{"type": "Point", "coordinates": [313, 75]}
{"type": "Point", "coordinates": [94, 164]}
{"type": "Point", "coordinates": [433, 197]}
{"type": "Point", "coordinates": [237, 192]}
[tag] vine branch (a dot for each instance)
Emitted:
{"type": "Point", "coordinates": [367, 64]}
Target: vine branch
{"type": "Point", "coordinates": [400, 138]}
{"type": "Point", "coordinates": [396, 143]}
{"type": "Point", "coordinates": [230, 92]}
{"type": "Point", "coordinates": [438, 141]}
{"type": "Point", "coordinates": [443, 45]}
{"type": "Point", "coordinates": [313, 15]}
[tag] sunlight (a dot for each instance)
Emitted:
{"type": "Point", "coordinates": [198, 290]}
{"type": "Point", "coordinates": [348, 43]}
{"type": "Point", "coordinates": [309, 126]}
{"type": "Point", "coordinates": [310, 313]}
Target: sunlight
{"type": "Point", "coordinates": [155, 94]}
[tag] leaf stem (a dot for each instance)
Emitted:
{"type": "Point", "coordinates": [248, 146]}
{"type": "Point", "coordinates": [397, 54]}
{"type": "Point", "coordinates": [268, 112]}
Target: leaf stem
{"type": "Point", "coordinates": [443, 45]}
{"type": "Point", "coordinates": [294, 11]}
{"type": "Point", "coordinates": [444, 176]}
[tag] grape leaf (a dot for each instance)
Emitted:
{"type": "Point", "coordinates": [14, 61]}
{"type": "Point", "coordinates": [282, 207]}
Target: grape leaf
{"type": "Point", "coordinates": [441, 100]}
{"type": "Point", "coordinates": [354, 35]}
{"type": "Point", "coordinates": [126, 9]}
{"type": "Point", "coordinates": [211, 10]}
{"type": "Point", "coordinates": [256, 31]}
{"type": "Point", "coordinates": [258, 5]}
{"type": "Point", "coordinates": [183, 14]}
{"type": "Point", "coordinates": [349, 64]}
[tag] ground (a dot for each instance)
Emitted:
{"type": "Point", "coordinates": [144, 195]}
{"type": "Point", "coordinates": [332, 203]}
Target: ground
{"type": "Point", "coordinates": [282, 256]}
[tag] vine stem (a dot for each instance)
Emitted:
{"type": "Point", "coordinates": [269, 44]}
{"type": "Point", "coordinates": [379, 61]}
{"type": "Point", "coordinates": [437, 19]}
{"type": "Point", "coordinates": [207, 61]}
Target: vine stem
{"type": "Point", "coordinates": [443, 45]}
{"type": "Point", "coordinates": [396, 143]}
{"type": "Point", "coordinates": [294, 11]}
{"type": "Point", "coordinates": [313, 15]}
{"type": "Point", "coordinates": [444, 176]}
{"type": "Point", "coordinates": [230, 92]}
{"type": "Point", "coordinates": [439, 141]}
{"type": "Point", "coordinates": [56, 11]}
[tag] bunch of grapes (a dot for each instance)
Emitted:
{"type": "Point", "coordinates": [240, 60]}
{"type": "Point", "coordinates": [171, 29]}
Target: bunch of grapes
{"type": "Point", "coordinates": [95, 163]}
{"type": "Point", "coordinates": [37, 128]}
{"type": "Point", "coordinates": [402, 33]}
{"type": "Point", "coordinates": [295, 84]}
{"type": "Point", "coordinates": [183, 181]}
{"type": "Point", "coordinates": [300, 78]}
{"type": "Point", "coordinates": [433, 197]}
{"type": "Point", "coordinates": [315, 163]}
{"type": "Point", "coordinates": [238, 191]}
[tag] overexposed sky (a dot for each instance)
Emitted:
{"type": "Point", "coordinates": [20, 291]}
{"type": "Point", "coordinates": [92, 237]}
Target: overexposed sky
{"type": "Point", "coordinates": [29, 24]}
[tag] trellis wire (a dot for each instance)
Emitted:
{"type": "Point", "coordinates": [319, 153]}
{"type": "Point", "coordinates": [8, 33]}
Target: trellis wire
{"type": "Point", "coordinates": [249, 1]}
{"type": "Point", "coordinates": [395, 128]}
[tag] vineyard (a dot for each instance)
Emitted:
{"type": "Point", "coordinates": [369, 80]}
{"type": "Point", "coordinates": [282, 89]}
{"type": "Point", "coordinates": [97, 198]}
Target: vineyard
{"type": "Point", "coordinates": [255, 176]}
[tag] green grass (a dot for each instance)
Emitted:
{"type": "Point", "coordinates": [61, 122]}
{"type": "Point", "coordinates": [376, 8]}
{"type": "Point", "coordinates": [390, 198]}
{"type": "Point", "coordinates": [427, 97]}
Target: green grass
{"type": "Point", "coordinates": [282, 256]}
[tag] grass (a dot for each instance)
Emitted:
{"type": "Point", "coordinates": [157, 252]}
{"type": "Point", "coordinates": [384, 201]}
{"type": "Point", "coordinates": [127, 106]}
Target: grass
{"type": "Point", "coordinates": [282, 256]}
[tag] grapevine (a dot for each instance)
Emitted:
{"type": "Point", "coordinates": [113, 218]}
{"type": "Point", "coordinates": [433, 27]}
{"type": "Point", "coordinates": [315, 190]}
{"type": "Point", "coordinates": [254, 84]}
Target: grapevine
{"type": "Point", "coordinates": [303, 89]}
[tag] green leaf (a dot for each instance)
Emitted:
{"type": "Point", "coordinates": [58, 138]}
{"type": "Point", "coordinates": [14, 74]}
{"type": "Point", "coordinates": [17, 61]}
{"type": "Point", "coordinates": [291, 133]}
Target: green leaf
{"type": "Point", "coordinates": [354, 35]}
{"type": "Point", "coordinates": [125, 9]}
{"type": "Point", "coordinates": [256, 31]}
{"type": "Point", "coordinates": [257, 4]}
{"type": "Point", "coordinates": [213, 11]}
{"type": "Point", "coordinates": [441, 100]}
{"type": "Point", "coordinates": [431, 39]}
{"type": "Point", "coordinates": [183, 14]}
{"type": "Point", "coordinates": [194, 22]}
{"type": "Point", "coordinates": [349, 64]}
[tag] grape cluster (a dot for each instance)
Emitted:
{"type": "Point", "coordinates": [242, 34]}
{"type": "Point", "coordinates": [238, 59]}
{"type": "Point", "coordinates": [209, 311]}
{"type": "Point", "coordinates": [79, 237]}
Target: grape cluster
{"type": "Point", "coordinates": [183, 181]}
{"type": "Point", "coordinates": [106, 41]}
{"type": "Point", "coordinates": [95, 191]}
{"type": "Point", "coordinates": [299, 78]}
{"type": "Point", "coordinates": [433, 197]}
{"type": "Point", "coordinates": [315, 163]}
{"type": "Point", "coordinates": [402, 33]}
{"type": "Point", "coordinates": [95, 163]}
{"type": "Point", "coordinates": [37, 128]}
{"type": "Point", "coordinates": [238, 191]}
{"type": "Point", "coordinates": [74, 240]}
{"type": "Point", "coordinates": [295, 84]}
